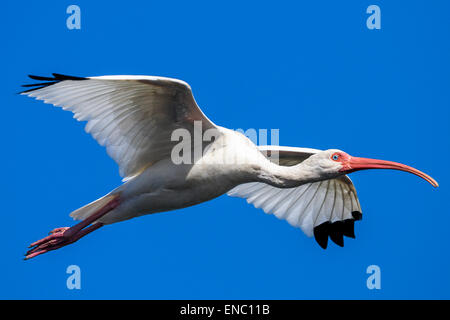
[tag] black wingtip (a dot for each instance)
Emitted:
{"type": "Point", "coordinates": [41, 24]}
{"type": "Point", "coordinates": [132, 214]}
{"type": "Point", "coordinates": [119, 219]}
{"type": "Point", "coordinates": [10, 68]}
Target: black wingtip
{"type": "Point", "coordinates": [357, 215]}
{"type": "Point", "coordinates": [57, 77]}
{"type": "Point", "coordinates": [321, 234]}
{"type": "Point", "coordinates": [348, 228]}
{"type": "Point", "coordinates": [336, 231]}
{"type": "Point", "coordinates": [40, 78]}
{"type": "Point", "coordinates": [62, 77]}
{"type": "Point", "coordinates": [38, 84]}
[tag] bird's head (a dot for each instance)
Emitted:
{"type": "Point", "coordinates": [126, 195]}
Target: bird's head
{"type": "Point", "coordinates": [335, 162]}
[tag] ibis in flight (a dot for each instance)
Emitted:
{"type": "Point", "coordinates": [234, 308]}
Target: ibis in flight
{"type": "Point", "coordinates": [141, 120]}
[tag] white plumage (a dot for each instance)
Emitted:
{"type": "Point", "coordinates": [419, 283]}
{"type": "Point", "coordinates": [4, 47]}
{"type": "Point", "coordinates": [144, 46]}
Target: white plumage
{"type": "Point", "coordinates": [134, 117]}
{"type": "Point", "coordinates": [308, 205]}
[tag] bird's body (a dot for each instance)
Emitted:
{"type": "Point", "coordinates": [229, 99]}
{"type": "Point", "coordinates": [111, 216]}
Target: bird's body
{"type": "Point", "coordinates": [167, 186]}
{"type": "Point", "coordinates": [144, 121]}
{"type": "Point", "coordinates": [231, 160]}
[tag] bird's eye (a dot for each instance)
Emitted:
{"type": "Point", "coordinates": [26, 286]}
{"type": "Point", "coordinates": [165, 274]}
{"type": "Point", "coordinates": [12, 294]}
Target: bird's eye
{"type": "Point", "coordinates": [335, 157]}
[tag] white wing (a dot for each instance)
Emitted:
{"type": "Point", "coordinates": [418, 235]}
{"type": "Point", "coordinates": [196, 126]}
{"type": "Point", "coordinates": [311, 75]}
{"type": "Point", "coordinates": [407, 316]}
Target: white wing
{"type": "Point", "coordinates": [133, 116]}
{"type": "Point", "coordinates": [324, 208]}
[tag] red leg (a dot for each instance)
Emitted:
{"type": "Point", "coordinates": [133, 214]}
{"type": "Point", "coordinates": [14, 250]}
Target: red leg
{"type": "Point", "coordinates": [61, 237]}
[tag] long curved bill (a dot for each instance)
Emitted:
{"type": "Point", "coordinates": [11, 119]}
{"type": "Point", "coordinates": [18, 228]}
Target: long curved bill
{"type": "Point", "coordinates": [356, 163]}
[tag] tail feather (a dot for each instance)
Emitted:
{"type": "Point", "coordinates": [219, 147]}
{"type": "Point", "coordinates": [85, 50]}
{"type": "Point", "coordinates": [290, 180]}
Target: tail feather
{"type": "Point", "coordinates": [89, 209]}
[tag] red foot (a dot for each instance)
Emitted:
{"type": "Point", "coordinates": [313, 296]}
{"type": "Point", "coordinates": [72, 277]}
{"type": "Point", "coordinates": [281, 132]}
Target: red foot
{"type": "Point", "coordinates": [61, 237]}
{"type": "Point", "coordinates": [55, 240]}
{"type": "Point", "coordinates": [58, 238]}
{"type": "Point", "coordinates": [58, 230]}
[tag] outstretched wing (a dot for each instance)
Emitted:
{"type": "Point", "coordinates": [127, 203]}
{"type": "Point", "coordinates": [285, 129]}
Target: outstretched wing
{"type": "Point", "coordinates": [324, 209]}
{"type": "Point", "coordinates": [133, 116]}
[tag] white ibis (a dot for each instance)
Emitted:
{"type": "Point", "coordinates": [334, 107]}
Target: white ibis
{"type": "Point", "coordinates": [135, 118]}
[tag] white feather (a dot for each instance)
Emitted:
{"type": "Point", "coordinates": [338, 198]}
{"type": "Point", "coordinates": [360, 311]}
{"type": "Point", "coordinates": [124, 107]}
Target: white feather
{"type": "Point", "coordinates": [308, 205]}
{"type": "Point", "coordinates": [133, 116]}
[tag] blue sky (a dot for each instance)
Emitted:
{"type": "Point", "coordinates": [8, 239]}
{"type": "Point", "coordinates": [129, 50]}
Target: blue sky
{"type": "Point", "coordinates": [311, 69]}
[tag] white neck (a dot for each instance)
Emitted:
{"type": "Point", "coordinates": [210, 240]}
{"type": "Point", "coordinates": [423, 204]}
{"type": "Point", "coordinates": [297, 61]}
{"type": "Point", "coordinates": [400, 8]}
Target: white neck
{"type": "Point", "coordinates": [288, 177]}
